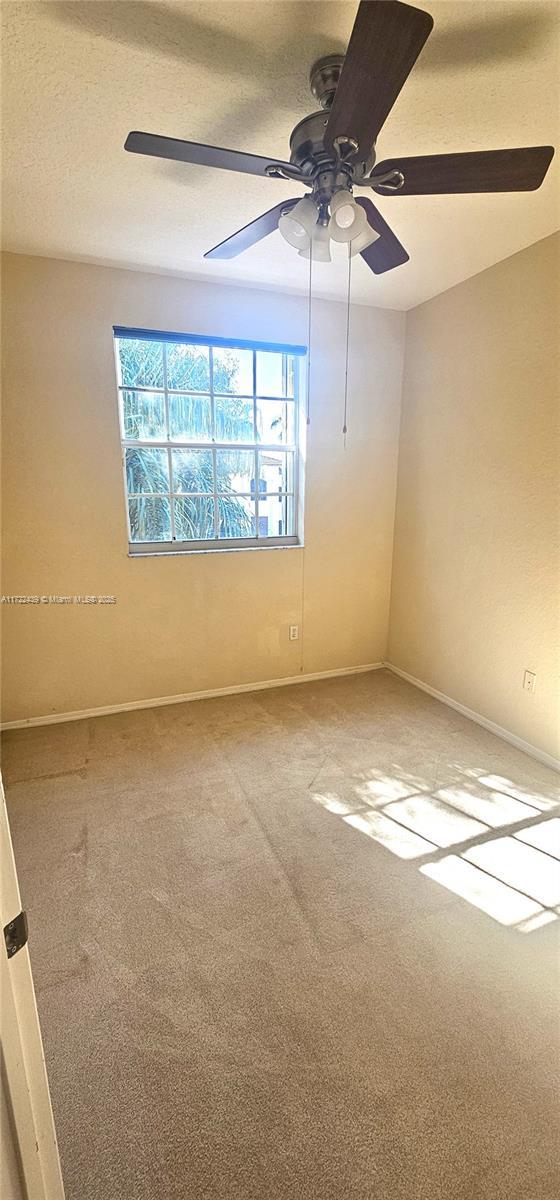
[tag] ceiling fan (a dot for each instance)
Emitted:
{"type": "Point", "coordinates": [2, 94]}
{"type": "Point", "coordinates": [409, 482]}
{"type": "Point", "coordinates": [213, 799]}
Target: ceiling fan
{"type": "Point", "coordinates": [333, 150]}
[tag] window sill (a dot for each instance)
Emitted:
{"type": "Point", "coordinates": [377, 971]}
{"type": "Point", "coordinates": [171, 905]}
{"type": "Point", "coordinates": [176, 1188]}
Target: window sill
{"type": "Point", "coordinates": [212, 550]}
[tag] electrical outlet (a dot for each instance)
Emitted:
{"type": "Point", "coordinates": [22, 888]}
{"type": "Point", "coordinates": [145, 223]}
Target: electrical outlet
{"type": "Point", "coordinates": [529, 681]}
{"type": "Point", "coordinates": [294, 633]}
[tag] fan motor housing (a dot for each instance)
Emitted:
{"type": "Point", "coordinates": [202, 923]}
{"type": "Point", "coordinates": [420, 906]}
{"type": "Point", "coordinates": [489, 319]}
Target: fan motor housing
{"type": "Point", "coordinates": [309, 153]}
{"type": "Point", "coordinates": [307, 147]}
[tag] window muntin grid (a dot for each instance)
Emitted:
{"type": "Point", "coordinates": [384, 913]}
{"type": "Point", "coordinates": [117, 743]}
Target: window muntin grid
{"type": "Point", "coordinates": [257, 503]}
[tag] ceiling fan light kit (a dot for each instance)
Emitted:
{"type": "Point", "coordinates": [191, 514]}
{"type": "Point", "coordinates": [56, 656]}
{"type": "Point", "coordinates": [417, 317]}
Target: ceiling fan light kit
{"type": "Point", "coordinates": [333, 151]}
{"type": "Point", "coordinates": [309, 227]}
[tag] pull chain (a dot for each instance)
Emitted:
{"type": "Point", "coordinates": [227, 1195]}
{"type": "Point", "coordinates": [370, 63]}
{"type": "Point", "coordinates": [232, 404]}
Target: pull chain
{"type": "Point", "coordinates": [345, 425]}
{"type": "Point", "coordinates": [308, 397]}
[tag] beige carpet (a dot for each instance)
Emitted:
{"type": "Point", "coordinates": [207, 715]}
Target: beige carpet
{"type": "Point", "coordinates": [246, 995]}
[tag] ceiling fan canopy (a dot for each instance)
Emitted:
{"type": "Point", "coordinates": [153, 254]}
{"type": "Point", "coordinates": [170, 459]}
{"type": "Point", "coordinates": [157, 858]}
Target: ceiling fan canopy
{"type": "Point", "coordinates": [332, 151]}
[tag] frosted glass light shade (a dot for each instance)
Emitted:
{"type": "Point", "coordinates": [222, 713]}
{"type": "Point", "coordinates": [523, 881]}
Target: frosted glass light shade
{"type": "Point", "coordinates": [345, 215]}
{"type": "Point", "coordinates": [363, 240]}
{"type": "Point", "coordinates": [298, 225]}
{"type": "Point", "coordinates": [319, 246]}
{"type": "Point", "coordinates": [348, 219]}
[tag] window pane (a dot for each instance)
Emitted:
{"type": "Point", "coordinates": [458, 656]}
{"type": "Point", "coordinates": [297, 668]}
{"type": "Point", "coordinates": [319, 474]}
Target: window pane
{"type": "Point", "coordinates": [235, 471]}
{"type": "Point", "coordinates": [275, 420]}
{"type": "Point", "coordinates": [141, 363]}
{"type": "Point", "coordinates": [270, 374]}
{"type": "Point", "coordinates": [275, 471]}
{"type": "Point", "coordinates": [188, 367]}
{"type": "Point", "coordinates": [192, 471]}
{"type": "Point", "coordinates": [236, 516]}
{"type": "Point", "coordinates": [234, 419]}
{"type": "Point", "coordinates": [194, 518]}
{"type": "Point", "coordinates": [144, 416]}
{"type": "Point", "coordinates": [147, 470]}
{"type": "Point", "coordinates": [149, 519]}
{"type": "Point", "coordinates": [190, 418]}
{"type": "Point", "coordinates": [276, 515]}
{"type": "Point", "coordinates": [192, 401]}
{"type": "Point", "coordinates": [233, 371]}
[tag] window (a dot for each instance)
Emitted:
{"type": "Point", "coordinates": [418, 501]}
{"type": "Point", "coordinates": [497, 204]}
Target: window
{"type": "Point", "coordinates": [210, 432]}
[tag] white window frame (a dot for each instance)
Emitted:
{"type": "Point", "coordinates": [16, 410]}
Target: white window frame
{"type": "Point", "coordinates": [295, 448]}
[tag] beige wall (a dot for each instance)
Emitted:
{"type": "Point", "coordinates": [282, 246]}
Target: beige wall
{"type": "Point", "coordinates": [200, 621]}
{"type": "Point", "coordinates": [476, 559]}
{"type": "Point", "coordinates": [476, 580]}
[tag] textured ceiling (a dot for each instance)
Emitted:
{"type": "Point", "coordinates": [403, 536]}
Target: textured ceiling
{"type": "Point", "coordinates": [77, 76]}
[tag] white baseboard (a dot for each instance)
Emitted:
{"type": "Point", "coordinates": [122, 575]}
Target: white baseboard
{"type": "Point", "coordinates": [519, 743]}
{"type": "Point", "coordinates": [262, 685]}
{"type": "Point", "coordinates": [187, 697]}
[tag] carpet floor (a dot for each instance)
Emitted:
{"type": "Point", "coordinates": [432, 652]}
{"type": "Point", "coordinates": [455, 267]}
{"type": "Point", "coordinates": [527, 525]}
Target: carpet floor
{"type": "Point", "coordinates": [293, 944]}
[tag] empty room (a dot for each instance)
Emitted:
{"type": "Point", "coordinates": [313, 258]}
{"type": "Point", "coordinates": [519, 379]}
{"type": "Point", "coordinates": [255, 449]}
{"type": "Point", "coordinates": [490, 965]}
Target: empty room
{"type": "Point", "coordinates": [280, 602]}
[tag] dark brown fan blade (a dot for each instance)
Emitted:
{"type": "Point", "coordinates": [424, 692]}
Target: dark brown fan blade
{"type": "Point", "coordinates": [203, 156]}
{"type": "Point", "coordinates": [520, 170]}
{"type": "Point", "coordinates": [386, 40]}
{"type": "Point", "coordinates": [251, 233]}
{"type": "Point", "coordinates": [386, 252]}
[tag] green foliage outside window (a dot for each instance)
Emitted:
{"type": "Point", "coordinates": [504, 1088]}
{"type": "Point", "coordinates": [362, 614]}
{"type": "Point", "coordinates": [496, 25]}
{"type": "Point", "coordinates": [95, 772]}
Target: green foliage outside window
{"type": "Point", "coordinates": [185, 367]}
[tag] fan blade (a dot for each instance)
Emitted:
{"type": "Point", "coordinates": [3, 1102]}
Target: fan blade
{"type": "Point", "coordinates": [520, 170]}
{"type": "Point", "coordinates": [251, 233]}
{"type": "Point", "coordinates": [204, 156]}
{"type": "Point", "coordinates": [386, 40]}
{"type": "Point", "coordinates": [386, 252]}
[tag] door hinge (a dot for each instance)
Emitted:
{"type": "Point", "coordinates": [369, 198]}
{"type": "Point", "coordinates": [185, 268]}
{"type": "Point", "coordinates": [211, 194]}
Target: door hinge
{"type": "Point", "coordinates": [15, 934]}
